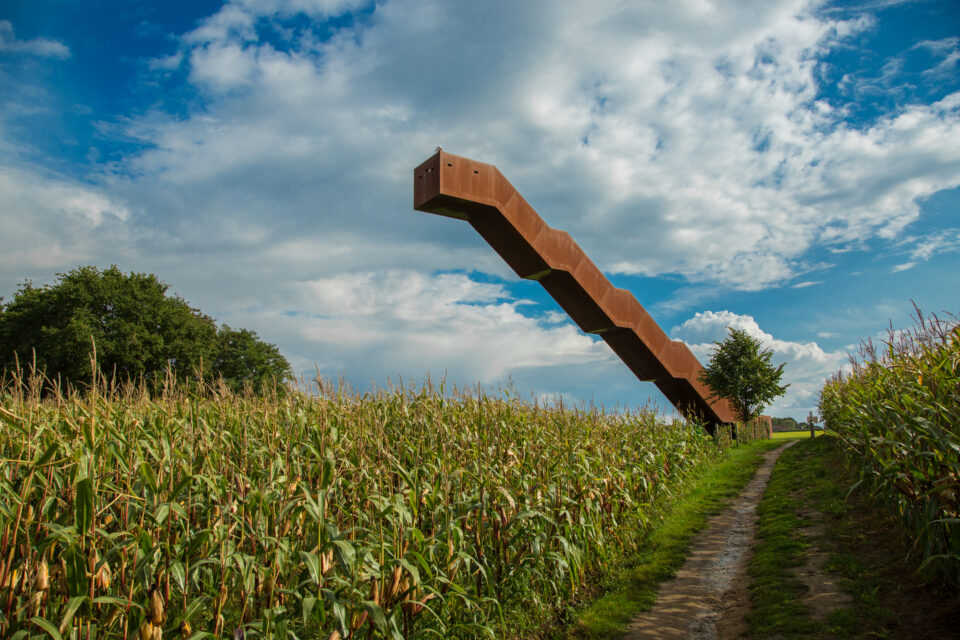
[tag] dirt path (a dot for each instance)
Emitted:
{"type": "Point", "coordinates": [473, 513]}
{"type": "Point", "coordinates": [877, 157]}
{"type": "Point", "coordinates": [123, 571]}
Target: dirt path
{"type": "Point", "coordinates": [708, 597]}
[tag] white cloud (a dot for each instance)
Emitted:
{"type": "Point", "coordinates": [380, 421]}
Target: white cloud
{"type": "Point", "coordinates": [939, 242]}
{"type": "Point", "coordinates": [166, 63]}
{"type": "Point", "coordinates": [929, 245]}
{"type": "Point", "coordinates": [696, 135]}
{"type": "Point", "coordinates": [50, 223]}
{"type": "Point", "coordinates": [231, 22]}
{"type": "Point", "coordinates": [222, 67]}
{"type": "Point", "coordinates": [947, 49]}
{"type": "Point", "coordinates": [684, 139]}
{"type": "Point", "coordinates": [430, 323]}
{"type": "Point", "coordinates": [943, 46]}
{"type": "Point", "coordinates": [42, 47]}
{"type": "Point", "coordinates": [316, 8]}
{"type": "Point", "coordinates": [807, 364]}
{"type": "Point", "coordinates": [403, 322]}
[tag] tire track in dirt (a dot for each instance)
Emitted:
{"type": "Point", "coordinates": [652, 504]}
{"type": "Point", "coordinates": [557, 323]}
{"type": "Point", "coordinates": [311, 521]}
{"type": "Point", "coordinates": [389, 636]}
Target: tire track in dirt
{"type": "Point", "coordinates": [707, 598]}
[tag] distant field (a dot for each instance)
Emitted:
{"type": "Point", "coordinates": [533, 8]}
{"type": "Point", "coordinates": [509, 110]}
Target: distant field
{"type": "Point", "coordinates": [793, 435]}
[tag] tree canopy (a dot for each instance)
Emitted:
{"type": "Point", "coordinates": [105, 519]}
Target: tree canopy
{"type": "Point", "coordinates": [139, 332]}
{"type": "Point", "coordinates": [740, 371]}
{"type": "Point", "coordinates": [243, 358]}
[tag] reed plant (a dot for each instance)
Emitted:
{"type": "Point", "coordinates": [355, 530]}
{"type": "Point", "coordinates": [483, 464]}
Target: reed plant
{"type": "Point", "coordinates": [400, 513]}
{"type": "Point", "coordinates": [897, 411]}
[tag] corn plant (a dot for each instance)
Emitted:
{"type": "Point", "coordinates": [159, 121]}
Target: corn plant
{"type": "Point", "coordinates": [401, 513]}
{"type": "Point", "coordinates": [898, 412]}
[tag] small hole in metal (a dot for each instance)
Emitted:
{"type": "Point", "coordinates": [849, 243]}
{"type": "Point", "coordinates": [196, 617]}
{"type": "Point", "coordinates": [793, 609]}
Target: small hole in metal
{"type": "Point", "coordinates": [475, 171]}
{"type": "Point", "coordinates": [449, 164]}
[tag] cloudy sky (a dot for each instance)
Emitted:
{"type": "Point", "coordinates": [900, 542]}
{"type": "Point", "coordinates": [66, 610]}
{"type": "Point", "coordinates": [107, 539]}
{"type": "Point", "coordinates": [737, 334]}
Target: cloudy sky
{"type": "Point", "coordinates": [787, 167]}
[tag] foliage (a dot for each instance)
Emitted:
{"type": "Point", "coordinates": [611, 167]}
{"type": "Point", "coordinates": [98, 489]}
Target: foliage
{"type": "Point", "coordinates": [740, 371]}
{"type": "Point", "coordinates": [136, 329]}
{"type": "Point", "coordinates": [243, 358]}
{"type": "Point", "coordinates": [785, 424]}
{"type": "Point", "coordinates": [897, 411]}
{"type": "Point", "coordinates": [398, 514]}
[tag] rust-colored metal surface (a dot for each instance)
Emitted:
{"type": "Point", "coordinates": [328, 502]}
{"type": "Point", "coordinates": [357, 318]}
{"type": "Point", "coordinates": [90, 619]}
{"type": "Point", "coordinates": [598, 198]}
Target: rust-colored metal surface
{"type": "Point", "coordinates": [457, 187]}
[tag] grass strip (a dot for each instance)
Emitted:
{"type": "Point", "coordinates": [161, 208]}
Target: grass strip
{"type": "Point", "coordinates": [806, 509]}
{"type": "Point", "coordinates": [795, 435]}
{"type": "Point", "coordinates": [635, 589]}
{"type": "Point", "coordinates": [775, 591]}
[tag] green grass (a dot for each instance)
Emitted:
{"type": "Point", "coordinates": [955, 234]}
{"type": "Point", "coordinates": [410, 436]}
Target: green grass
{"type": "Point", "coordinates": [794, 435]}
{"type": "Point", "coordinates": [809, 486]}
{"type": "Point", "coordinates": [775, 592]}
{"type": "Point", "coordinates": [634, 590]}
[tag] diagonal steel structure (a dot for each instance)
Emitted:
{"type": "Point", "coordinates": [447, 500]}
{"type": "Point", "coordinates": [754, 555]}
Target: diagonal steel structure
{"type": "Point", "coordinates": [457, 187]}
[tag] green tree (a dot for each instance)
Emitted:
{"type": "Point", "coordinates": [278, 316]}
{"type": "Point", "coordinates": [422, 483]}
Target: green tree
{"type": "Point", "coordinates": [139, 331]}
{"type": "Point", "coordinates": [785, 424]}
{"type": "Point", "coordinates": [740, 371]}
{"type": "Point", "coordinates": [243, 357]}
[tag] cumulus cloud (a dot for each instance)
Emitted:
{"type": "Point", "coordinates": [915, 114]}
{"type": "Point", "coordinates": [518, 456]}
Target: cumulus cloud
{"type": "Point", "coordinates": [375, 325]}
{"type": "Point", "coordinates": [406, 320]}
{"type": "Point", "coordinates": [53, 223]}
{"type": "Point", "coordinates": [807, 364]}
{"type": "Point", "coordinates": [691, 142]}
{"type": "Point", "coordinates": [688, 139]}
{"type": "Point", "coordinates": [41, 47]}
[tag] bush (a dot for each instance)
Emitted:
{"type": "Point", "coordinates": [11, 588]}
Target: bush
{"type": "Point", "coordinates": [132, 327]}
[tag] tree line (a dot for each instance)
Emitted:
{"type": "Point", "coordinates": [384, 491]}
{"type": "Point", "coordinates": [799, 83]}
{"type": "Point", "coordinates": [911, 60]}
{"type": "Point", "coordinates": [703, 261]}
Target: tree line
{"type": "Point", "coordinates": [138, 331]}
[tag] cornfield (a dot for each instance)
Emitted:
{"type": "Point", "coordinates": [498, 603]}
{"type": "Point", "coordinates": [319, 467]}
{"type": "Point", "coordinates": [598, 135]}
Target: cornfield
{"type": "Point", "coordinates": [401, 513]}
{"type": "Point", "coordinates": [898, 412]}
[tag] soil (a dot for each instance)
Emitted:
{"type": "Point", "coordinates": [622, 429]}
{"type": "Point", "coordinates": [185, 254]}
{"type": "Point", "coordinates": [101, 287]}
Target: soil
{"type": "Point", "coordinates": [708, 597]}
{"type": "Point", "coordinates": [825, 592]}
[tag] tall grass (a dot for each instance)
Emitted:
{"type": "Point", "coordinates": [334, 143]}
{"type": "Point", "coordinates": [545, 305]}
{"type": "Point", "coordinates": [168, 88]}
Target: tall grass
{"type": "Point", "coordinates": [898, 412]}
{"type": "Point", "coordinates": [405, 513]}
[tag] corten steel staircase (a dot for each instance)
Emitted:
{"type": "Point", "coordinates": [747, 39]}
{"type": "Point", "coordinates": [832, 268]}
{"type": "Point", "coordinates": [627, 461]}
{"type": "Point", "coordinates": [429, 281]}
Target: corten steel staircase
{"type": "Point", "coordinates": [457, 187]}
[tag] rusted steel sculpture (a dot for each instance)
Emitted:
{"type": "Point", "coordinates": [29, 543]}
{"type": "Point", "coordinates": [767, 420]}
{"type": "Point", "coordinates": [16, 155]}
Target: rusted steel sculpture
{"type": "Point", "coordinates": [457, 187]}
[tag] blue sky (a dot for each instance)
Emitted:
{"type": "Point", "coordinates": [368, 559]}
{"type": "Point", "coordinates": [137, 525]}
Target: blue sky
{"type": "Point", "coordinates": [791, 168]}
